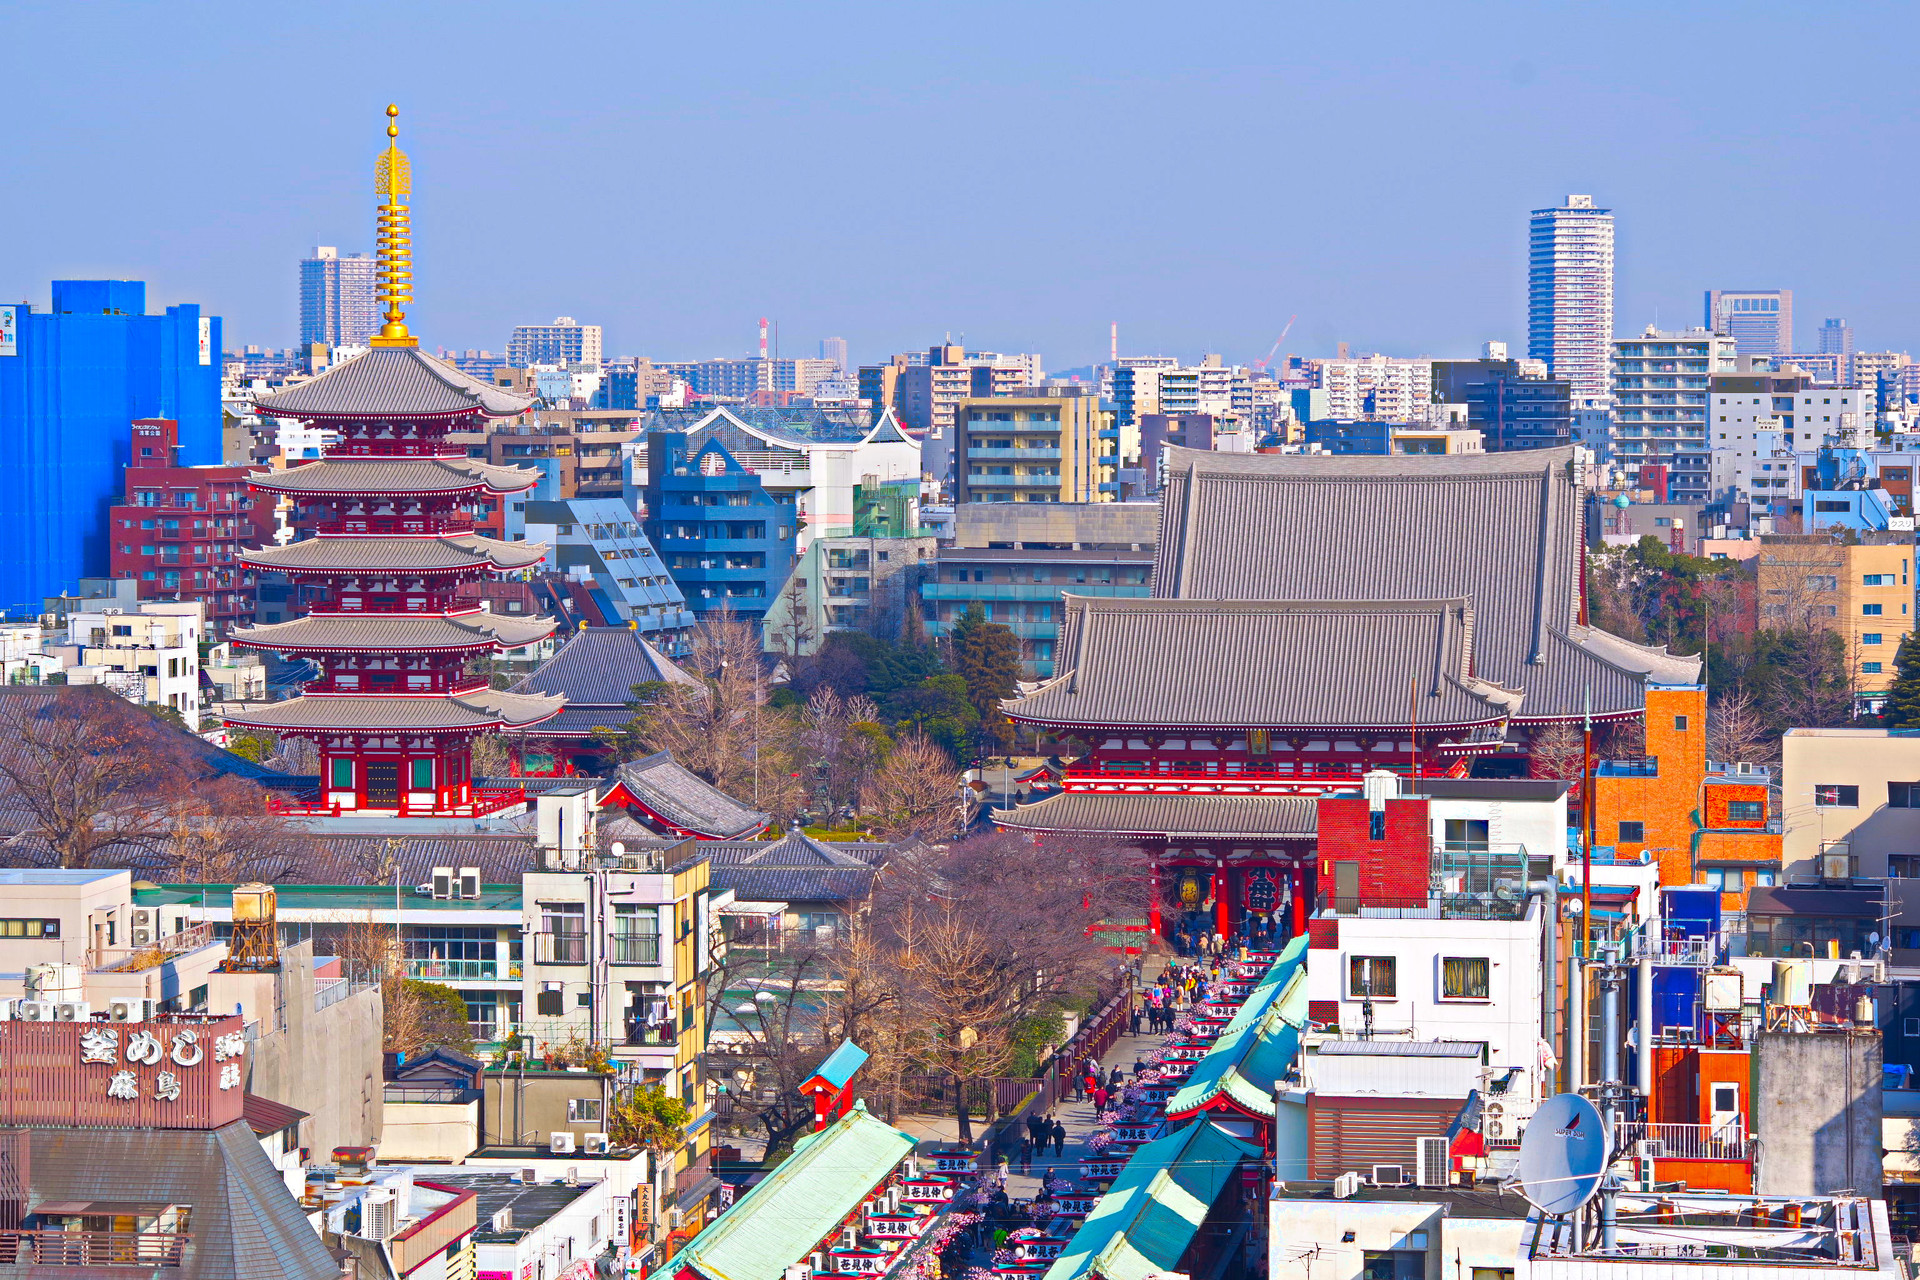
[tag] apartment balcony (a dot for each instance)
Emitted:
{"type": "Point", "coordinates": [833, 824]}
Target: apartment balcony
{"type": "Point", "coordinates": [1049, 454]}
{"type": "Point", "coordinates": [167, 947]}
{"type": "Point", "coordinates": [1727, 1141]}
{"type": "Point", "coordinates": [148, 1252]}
{"type": "Point", "coordinates": [1023, 591]}
{"type": "Point", "coordinates": [439, 970]}
{"type": "Point", "coordinates": [1024, 630]}
{"type": "Point", "coordinates": [1017, 482]}
{"type": "Point", "coordinates": [636, 948]}
{"type": "Point", "coordinates": [1646, 768]}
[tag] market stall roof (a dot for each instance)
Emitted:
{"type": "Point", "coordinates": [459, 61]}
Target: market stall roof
{"type": "Point", "coordinates": [1110, 814]}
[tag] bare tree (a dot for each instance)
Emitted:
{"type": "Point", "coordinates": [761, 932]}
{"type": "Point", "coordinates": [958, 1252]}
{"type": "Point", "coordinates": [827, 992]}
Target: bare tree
{"type": "Point", "coordinates": [297, 756]}
{"type": "Point", "coordinates": [224, 832]}
{"type": "Point", "coordinates": [764, 1008]}
{"type": "Point", "coordinates": [1736, 731]}
{"type": "Point", "coordinates": [415, 1015]}
{"type": "Point", "coordinates": [844, 742]}
{"type": "Point", "coordinates": [913, 793]}
{"type": "Point", "coordinates": [1558, 751]}
{"type": "Point", "coordinates": [95, 777]}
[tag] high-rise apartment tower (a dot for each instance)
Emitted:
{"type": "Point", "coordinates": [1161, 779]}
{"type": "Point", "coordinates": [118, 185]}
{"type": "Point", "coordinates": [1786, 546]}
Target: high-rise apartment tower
{"type": "Point", "coordinates": [1760, 321]}
{"type": "Point", "coordinates": [1570, 293]}
{"type": "Point", "coordinates": [336, 298]}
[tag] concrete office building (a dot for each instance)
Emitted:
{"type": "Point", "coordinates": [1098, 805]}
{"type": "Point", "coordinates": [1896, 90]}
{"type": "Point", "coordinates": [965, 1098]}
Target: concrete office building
{"type": "Point", "coordinates": [1760, 421]}
{"type": "Point", "coordinates": [761, 380]}
{"type": "Point", "coordinates": [562, 342]}
{"type": "Point", "coordinates": [1511, 402]}
{"type": "Point", "coordinates": [1056, 446]}
{"type": "Point", "coordinates": [1760, 321]}
{"type": "Point", "coordinates": [336, 298]}
{"type": "Point", "coordinates": [835, 349]}
{"type": "Point", "coordinates": [1660, 391]}
{"type": "Point", "coordinates": [1570, 292]}
{"type": "Point", "coordinates": [71, 380]}
{"type": "Point", "coordinates": [1862, 590]}
{"type": "Point", "coordinates": [1836, 337]}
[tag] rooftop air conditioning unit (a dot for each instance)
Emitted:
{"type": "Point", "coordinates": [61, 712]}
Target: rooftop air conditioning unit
{"type": "Point", "coordinates": [72, 1011]}
{"type": "Point", "coordinates": [123, 1009]}
{"type": "Point", "coordinates": [145, 918]}
{"type": "Point", "coordinates": [1346, 1186]}
{"type": "Point", "coordinates": [6, 1010]}
{"type": "Point", "coordinates": [503, 1219]}
{"type": "Point", "coordinates": [443, 882]}
{"type": "Point", "coordinates": [596, 1144]}
{"type": "Point", "coordinates": [1389, 1175]}
{"type": "Point", "coordinates": [469, 882]}
{"type": "Point", "coordinates": [561, 1144]}
{"type": "Point", "coordinates": [1436, 1162]}
{"type": "Point", "coordinates": [529, 1176]}
{"type": "Point", "coordinates": [141, 937]}
{"type": "Point", "coordinates": [1650, 1149]}
{"type": "Point", "coordinates": [34, 1011]}
{"type": "Point", "coordinates": [378, 1217]}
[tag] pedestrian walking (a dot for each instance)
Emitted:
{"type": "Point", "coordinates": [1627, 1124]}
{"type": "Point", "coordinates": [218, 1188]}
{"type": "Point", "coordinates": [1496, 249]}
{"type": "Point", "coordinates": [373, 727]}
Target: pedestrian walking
{"type": "Point", "coordinates": [1059, 1139]}
{"type": "Point", "coordinates": [1099, 1097]}
{"type": "Point", "coordinates": [1115, 1078]}
{"type": "Point", "coordinates": [1026, 1154]}
{"type": "Point", "coordinates": [1133, 1021]}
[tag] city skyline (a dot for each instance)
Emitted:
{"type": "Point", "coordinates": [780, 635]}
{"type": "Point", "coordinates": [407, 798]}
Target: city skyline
{"type": "Point", "coordinates": [1433, 263]}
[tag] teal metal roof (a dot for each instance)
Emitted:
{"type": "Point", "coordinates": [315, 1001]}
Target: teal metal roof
{"type": "Point", "coordinates": [1147, 1219]}
{"type": "Point", "coordinates": [840, 1064]}
{"type": "Point", "coordinates": [333, 897]}
{"type": "Point", "coordinates": [1293, 959]}
{"type": "Point", "coordinates": [802, 1201]}
{"type": "Point", "coordinates": [1247, 1061]}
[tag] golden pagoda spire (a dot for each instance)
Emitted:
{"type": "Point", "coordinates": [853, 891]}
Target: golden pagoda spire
{"type": "Point", "coordinates": [393, 182]}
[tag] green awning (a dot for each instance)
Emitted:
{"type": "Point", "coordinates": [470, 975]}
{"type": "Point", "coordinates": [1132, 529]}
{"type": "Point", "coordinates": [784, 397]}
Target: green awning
{"type": "Point", "coordinates": [1249, 1059]}
{"type": "Point", "coordinates": [1145, 1222]}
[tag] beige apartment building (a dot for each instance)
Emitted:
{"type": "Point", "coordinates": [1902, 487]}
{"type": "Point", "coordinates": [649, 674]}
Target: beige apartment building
{"type": "Point", "coordinates": [1056, 445]}
{"type": "Point", "coordinates": [1862, 590]}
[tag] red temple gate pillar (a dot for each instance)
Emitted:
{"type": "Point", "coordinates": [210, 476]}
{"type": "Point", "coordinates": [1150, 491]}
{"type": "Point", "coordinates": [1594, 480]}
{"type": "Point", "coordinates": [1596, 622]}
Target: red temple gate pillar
{"type": "Point", "coordinates": [1299, 899]}
{"type": "Point", "coordinates": [1222, 910]}
{"type": "Point", "coordinates": [1153, 901]}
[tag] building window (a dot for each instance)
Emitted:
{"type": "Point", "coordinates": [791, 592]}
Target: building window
{"type": "Point", "coordinates": [1371, 977]}
{"type": "Point", "coordinates": [565, 927]}
{"type": "Point", "coordinates": [583, 1111]}
{"type": "Point", "coordinates": [423, 775]}
{"type": "Point", "coordinates": [1632, 833]}
{"type": "Point", "coordinates": [1377, 824]}
{"type": "Point", "coordinates": [1870, 668]}
{"type": "Point", "coordinates": [29, 928]}
{"type": "Point", "coordinates": [1903, 795]}
{"type": "Point", "coordinates": [1903, 866]}
{"type": "Point", "coordinates": [1464, 977]}
{"type": "Point", "coordinates": [343, 774]}
{"type": "Point", "coordinates": [1726, 879]}
{"type": "Point", "coordinates": [1834, 796]}
{"type": "Point", "coordinates": [1679, 724]}
{"type": "Point", "coordinates": [1878, 580]}
{"type": "Point", "coordinates": [1746, 810]}
{"type": "Point", "coordinates": [1870, 637]}
{"type": "Point", "coordinates": [1466, 835]}
{"type": "Point", "coordinates": [1871, 610]}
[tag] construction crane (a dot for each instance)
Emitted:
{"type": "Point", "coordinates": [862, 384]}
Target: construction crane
{"type": "Point", "coordinates": [1262, 364]}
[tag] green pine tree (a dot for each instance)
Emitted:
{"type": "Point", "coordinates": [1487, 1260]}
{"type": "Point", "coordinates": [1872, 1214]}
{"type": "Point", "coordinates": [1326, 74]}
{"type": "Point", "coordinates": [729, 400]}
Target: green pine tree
{"type": "Point", "coordinates": [987, 656]}
{"type": "Point", "coordinates": [1903, 700]}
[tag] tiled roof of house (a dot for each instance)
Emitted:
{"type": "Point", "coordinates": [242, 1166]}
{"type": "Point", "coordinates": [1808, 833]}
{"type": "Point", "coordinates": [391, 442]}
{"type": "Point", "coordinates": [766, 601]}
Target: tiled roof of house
{"type": "Point", "coordinates": [1105, 814]}
{"type": "Point", "coordinates": [795, 884]}
{"type": "Point", "coordinates": [392, 382]}
{"type": "Point", "coordinates": [1500, 530]}
{"type": "Point", "coordinates": [686, 801]}
{"type": "Point", "coordinates": [1265, 664]}
{"type": "Point", "coordinates": [481, 709]}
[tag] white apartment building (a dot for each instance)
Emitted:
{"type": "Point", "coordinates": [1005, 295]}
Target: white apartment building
{"type": "Point", "coordinates": [1661, 382]}
{"type": "Point", "coordinates": [1570, 292]}
{"type": "Point", "coordinates": [1378, 387]}
{"type": "Point", "coordinates": [150, 658]}
{"type": "Point", "coordinates": [562, 342]}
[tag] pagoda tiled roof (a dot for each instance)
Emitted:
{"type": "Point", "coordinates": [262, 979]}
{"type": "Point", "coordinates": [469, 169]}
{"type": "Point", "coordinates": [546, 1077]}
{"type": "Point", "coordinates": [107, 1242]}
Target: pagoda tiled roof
{"type": "Point", "coordinates": [1501, 530]}
{"type": "Point", "coordinates": [1112, 814]}
{"type": "Point", "coordinates": [395, 475]}
{"type": "Point", "coordinates": [402, 555]}
{"type": "Point", "coordinates": [392, 382]}
{"type": "Point", "coordinates": [1265, 664]}
{"type": "Point", "coordinates": [481, 709]}
{"type": "Point", "coordinates": [400, 632]}
{"type": "Point", "coordinates": [678, 796]}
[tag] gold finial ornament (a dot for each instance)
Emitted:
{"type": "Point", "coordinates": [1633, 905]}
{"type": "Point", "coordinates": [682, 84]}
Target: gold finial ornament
{"type": "Point", "coordinates": [393, 182]}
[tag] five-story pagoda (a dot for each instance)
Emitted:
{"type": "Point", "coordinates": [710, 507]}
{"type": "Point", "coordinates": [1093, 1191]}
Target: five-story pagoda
{"type": "Point", "coordinates": [396, 708]}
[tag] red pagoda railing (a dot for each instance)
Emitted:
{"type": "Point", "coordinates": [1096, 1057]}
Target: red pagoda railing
{"type": "Point", "coordinates": [1279, 776]}
{"type": "Point", "coordinates": [485, 800]}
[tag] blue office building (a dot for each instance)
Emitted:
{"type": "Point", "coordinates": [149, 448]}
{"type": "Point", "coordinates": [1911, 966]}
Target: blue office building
{"type": "Point", "coordinates": [726, 541]}
{"type": "Point", "coordinates": [71, 380]}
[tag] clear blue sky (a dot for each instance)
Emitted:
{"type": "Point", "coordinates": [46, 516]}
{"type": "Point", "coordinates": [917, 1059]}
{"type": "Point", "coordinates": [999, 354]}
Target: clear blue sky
{"type": "Point", "coordinates": [1019, 173]}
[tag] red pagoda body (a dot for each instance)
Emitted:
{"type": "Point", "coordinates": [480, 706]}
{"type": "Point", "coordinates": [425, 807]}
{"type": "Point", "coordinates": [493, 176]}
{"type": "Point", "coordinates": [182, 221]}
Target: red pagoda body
{"type": "Point", "coordinates": [391, 511]}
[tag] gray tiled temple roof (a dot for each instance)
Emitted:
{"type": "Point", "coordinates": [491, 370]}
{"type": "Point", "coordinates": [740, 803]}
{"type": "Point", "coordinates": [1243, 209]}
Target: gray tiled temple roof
{"type": "Point", "coordinates": [481, 709]}
{"type": "Point", "coordinates": [402, 555]}
{"type": "Point", "coordinates": [244, 1221]}
{"type": "Point", "coordinates": [598, 666]}
{"type": "Point", "coordinates": [1220, 664]}
{"type": "Point", "coordinates": [1098, 813]}
{"type": "Point", "coordinates": [395, 475]}
{"type": "Point", "coordinates": [1501, 530]}
{"type": "Point", "coordinates": [683, 799]}
{"type": "Point", "coordinates": [329, 631]}
{"type": "Point", "coordinates": [795, 884]}
{"type": "Point", "coordinates": [392, 382]}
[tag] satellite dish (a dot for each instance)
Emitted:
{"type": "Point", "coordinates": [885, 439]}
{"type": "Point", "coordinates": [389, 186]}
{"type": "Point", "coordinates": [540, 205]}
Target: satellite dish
{"type": "Point", "coordinates": [617, 849]}
{"type": "Point", "coordinates": [1564, 1154]}
{"type": "Point", "coordinates": [1573, 906]}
